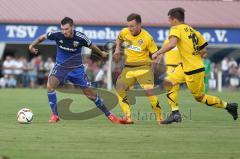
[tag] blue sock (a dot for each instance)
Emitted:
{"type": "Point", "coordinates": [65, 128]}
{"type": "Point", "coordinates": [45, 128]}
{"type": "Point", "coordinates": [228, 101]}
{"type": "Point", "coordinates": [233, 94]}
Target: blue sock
{"type": "Point", "coordinates": [52, 99]}
{"type": "Point", "coordinates": [99, 103]}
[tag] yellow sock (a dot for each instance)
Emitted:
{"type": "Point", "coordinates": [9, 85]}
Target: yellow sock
{"type": "Point", "coordinates": [172, 97]}
{"type": "Point", "coordinates": [213, 101]}
{"type": "Point", "coordinates": [122, 97]}
{"type": "Point", "coordinates": [156, 107]}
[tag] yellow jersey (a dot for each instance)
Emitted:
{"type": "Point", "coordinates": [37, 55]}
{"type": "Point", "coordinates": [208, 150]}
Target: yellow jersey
{"type": "Point", "coordinates": [137, 49]}
{"type": "Point", "coordinates": [189, 44]}
{"type": "Point", "coordinates": [172, 57]}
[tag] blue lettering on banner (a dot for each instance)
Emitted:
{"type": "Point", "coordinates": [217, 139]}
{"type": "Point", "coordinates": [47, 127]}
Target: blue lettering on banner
{"type": "Point", "coordinates": [22, 33]}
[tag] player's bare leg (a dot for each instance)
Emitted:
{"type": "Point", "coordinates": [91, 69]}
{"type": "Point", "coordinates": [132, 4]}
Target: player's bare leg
{"type": "Point", "coordinates": [52, 84]}
{"type": "Point", "coordinates": [100, 104]}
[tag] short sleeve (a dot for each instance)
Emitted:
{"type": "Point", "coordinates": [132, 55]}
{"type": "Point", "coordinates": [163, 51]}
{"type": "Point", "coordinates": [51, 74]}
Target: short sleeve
{"type": "Point", "coordinates": [85, 41]}
{"type": "Point", "coordinates": [174, 32]}
{"type": "Point", "coordinates": [152, 46]}
{"type": "Point", "coordinates": [201, 41]}
{"type": "Point", "coordinates": [121, 35]}
{"type": "Point", "coordinates": [52, 35]}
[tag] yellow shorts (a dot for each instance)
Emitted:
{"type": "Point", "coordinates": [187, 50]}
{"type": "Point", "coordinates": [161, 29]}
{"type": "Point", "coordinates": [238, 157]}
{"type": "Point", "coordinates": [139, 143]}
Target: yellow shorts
{"type": "Point", "coordinates": [177, 76]}
{"type": "Point", "coordinates": [141, 74]}
{"type": "Point", "coordinates": [195, 82]}
{"type": "Point", "coordinates": [170, 69]}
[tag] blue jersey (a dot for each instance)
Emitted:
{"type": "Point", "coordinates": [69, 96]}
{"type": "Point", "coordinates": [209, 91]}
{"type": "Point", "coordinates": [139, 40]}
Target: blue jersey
{"type": "Point", "coordinates": [69, 49]}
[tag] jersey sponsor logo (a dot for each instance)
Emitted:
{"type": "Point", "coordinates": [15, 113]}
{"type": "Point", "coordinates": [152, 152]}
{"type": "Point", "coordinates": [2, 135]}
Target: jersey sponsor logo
{"type": "Point", "coordinates": [126, 43]}
{"type": "Point", "coordinates": [67, 49]}
{"type": "Point", "coordinates": [134, 48]}
{"type": "Point", "coordinates": [75, 43]}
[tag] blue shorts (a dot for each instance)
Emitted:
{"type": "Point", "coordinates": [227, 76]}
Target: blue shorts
{"type": "Point", "coordinates": [77, 76]}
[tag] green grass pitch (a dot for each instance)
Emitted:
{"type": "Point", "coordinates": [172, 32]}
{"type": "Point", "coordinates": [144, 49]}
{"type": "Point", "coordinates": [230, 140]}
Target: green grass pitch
{"type": "Point", "coordinates": [205, 132]}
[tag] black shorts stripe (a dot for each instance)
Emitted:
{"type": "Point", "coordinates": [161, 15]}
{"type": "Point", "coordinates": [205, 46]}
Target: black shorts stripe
{"type": "Point", "coordinates": [171, 65]}
{"type": "Point", "coordinates": [195, 71]}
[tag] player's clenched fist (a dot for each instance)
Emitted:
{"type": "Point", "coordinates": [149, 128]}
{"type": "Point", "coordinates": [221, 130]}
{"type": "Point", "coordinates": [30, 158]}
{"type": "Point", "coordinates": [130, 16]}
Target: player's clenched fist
{"type": "Point", "coordinates": [32, 49]}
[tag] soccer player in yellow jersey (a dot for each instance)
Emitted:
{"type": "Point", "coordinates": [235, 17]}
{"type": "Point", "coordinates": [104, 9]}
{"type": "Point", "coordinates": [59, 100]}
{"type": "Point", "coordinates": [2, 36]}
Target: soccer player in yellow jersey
{"type": "Point", "coordinates": [191, 46]}
{"type": "Point", "coordinates": [138, 47]}
{"type": "Point", "coordinates": [172, 60]}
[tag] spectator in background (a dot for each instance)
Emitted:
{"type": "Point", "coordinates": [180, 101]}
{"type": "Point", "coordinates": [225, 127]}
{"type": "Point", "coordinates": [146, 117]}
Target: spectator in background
{"type": "Point", "coordinates": [238, 73]}
{"type": "Point", "coordinates": [32, 71]}
{"type": "Point", "coordinates": [213, 76]}
{"type": "Point", "coordinates": [105, 70]}
{"type": "Point", "coordinates": [233, 73]}
{"type": "Point", "coordinates": [99, 75]}
{"type": "Point", "coordinates": [48, 65]}
{"type": "Point", "coordinates": [25, 74]}
{"type": "Point", "coordinates": [18, 71]}
{"type": "Point", "coordinates": [8, 65]}
{"type": "Point", "coordinates": [8, 72]}
{"type": "Point", "coordinates": [232, 63]}
{"type": "Point", "coordinates": [214, 70]}
{"type": "Point", "coordinates": [88, 65]}
{"type": "Point", "coordinates": [116, 70]}
{"type": "Point", "coordinates": [3, 81]}
{"type": "Point", "coordinates": [40, 70]}
{"type": "Point", "coordinates": [1, 65]}
{"type": "Point", "coordinates": [12, 82]}
{"type": "Point", "coordinates": [224, 68]}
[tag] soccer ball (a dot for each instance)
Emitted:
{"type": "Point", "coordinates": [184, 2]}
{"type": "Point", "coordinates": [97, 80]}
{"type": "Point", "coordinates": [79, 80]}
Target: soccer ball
{"type": "Point", "coordinates": [24, 116]}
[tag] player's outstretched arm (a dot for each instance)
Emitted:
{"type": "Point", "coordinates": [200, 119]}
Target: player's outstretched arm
{"type": "Point", "coordinates": [169, 46]}
{"type": "Point", "coordinates": [95, 49]}
{"type": "Point", "coordinates": [32, 46]}
{"type": "Point", "coordinates": [117, 52]}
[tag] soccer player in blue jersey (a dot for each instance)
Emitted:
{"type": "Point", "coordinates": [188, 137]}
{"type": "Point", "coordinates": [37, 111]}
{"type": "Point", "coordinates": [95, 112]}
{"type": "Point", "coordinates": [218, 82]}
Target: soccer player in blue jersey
{"type": "Point", "coordinates": [69, 65]}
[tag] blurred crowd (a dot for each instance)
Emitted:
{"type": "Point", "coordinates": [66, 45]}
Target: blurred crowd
{"type": "Point", "coordinates": [20, 72]}
{"type": "Point", "coordinates": [230, 72]}
{"type": "Point", "coordinates": [96, 71]}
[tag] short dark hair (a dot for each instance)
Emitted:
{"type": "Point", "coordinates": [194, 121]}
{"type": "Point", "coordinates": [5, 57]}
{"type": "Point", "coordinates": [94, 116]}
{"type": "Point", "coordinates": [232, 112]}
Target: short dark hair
{"type": "Point", "coordinates": [67, 20]}
{"type": "Point", "coordinates": [177, 13]}
{"type": "Point", "coordinates": [134, 16]}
